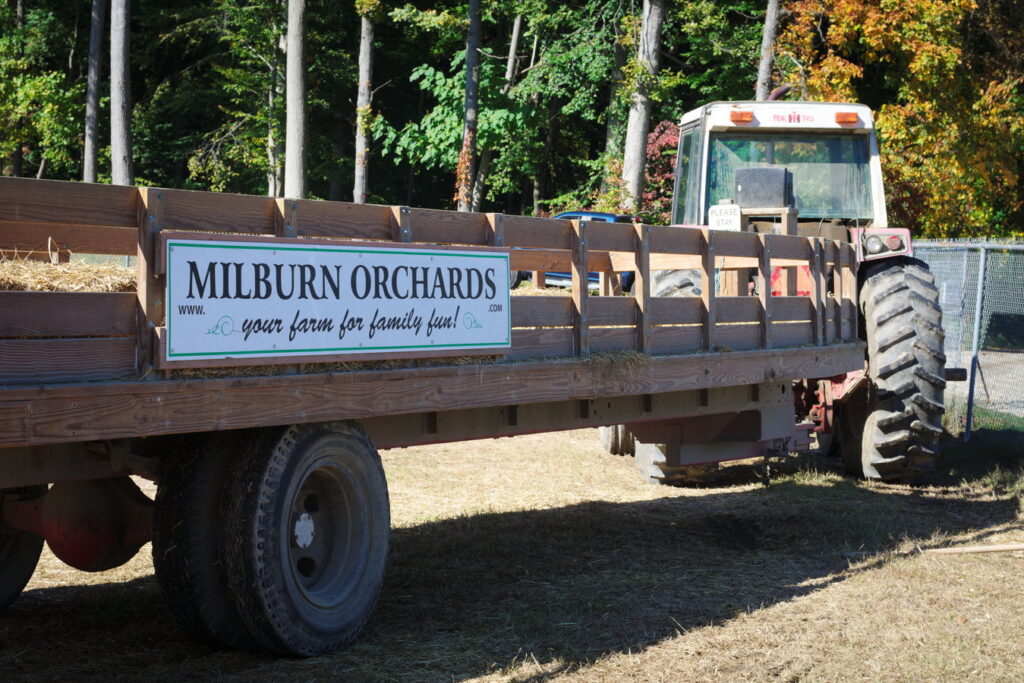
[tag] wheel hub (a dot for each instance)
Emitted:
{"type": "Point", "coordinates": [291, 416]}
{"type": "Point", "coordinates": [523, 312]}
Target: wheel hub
{"type": "Point", "coordinates": [305, 530]}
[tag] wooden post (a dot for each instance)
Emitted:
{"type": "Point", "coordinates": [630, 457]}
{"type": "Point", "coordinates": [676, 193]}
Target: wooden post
{"type": "Point", "coordinates": [707, 296]}
{"type": "Point", "coordinates": [286, 218]}
{"type": "Point", "coordinates": [764, 289]}
{"type": "Point", "coordinates": [837, 289]}
{"type": "Point", "coordinates": [642, 286]}
{"type": "Point", "coordinates": [151, 282]}
{"type": "Point", "coordinates": [496, 238]}
{"type": "Point", "coordinates": [610, 284]}
{"type": "Point", "coordinates": [401, 223]}
{"type": "Point", "coordinates": [817, 289]}
{"type": "Point", "coordinates": [580, 288]}
{"type": "Point", "coordinates": [850, 290]}
{"type": "Point", "coordinates": [496, 226]}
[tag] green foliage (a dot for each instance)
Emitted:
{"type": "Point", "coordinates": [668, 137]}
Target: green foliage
{"type": "Point", "coordinates": [41, 104]}
{"type": "Point", "coordinates": [944, 77]}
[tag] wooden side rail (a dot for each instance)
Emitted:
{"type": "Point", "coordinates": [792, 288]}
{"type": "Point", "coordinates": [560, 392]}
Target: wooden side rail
{"type": "Point", "coordinates": [115, 331]}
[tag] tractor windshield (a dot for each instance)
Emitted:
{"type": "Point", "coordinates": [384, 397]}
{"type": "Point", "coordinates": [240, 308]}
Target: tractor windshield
{"type": "Point", "coordinates": [831, 178]}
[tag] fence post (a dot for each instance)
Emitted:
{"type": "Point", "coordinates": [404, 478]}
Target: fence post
{"type": "Point", "coordinates": [979, 302]}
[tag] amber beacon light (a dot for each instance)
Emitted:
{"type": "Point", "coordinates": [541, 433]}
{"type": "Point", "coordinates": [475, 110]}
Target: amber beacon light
{"type": "Point", "coordinates": [740, 116]}
{"type": "Point", "coordinates": [846, 117]}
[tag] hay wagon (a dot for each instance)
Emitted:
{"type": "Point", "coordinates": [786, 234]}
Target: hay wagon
{"type": "Point", "coordinates": [271, 520]}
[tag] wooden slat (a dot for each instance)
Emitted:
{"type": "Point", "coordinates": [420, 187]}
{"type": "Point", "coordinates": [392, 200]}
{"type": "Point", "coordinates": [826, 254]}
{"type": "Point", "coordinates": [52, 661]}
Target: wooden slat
{"type": "Point", "coordinates": [737, 309]}
{"type": "Point", "coordinates": [787, 308]}
{"type": "Point", "coordinates": [676, 310]}
{"type": "Point", "coordinates": [559, 260]}
{"type": "Point", "coordinates": [612, 310]}
{"type": "Point", "coordinates": [343, 219]}
{"type": "Point", "coordinates": [790, 247]}
{"type": "Point", "coordinates": [604, 339]}
{"type": "Point", "coordinates": [217, 212]}
{"type": "Point", "coordinates": [736, 244]}
{"type": "Point", "coordinates": [603, 236]}
{"type": "Point", "coordinates": [80, 239]}
{"type": "Point", "coordinates": [537, 233]}
{"type": "Point", "coordinates": [793, 334]}
{"type": "Point", "coordinates": [667, 240]}
{"type": "Point", "coordinates": [737, 337]}
{"type": "Point", "coordinates": [67, 314]}
{"type": "Point", "coordinates": [448, 227]}
{"type": "Point", "coordinates": [54, 201]}
{"type": "Point", "coordinates": [128, 409]}
{"type": "Point", "coordinates": [553, 342]}
{"type": "Point", "coordinates": [676, 339]}
{"type": "Point", "coordinates": [37, 361]}
{"type": "Point", "coordinates": [541, 311]}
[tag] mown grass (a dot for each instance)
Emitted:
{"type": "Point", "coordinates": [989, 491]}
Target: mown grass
{"type": "Point", "coordinates": [541, 557]}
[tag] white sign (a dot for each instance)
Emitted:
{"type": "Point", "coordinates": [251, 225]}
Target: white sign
{"type": "Point", "coordinates": [724, 217]}
{"type": "Point", "coordinates": [261, 299]}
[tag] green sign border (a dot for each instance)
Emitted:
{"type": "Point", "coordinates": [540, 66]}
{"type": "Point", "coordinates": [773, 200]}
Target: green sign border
{"type": "Point", "coordinates": [227, 355]}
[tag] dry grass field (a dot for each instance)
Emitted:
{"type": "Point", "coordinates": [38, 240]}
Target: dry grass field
{"type": "Point", "coordinates": [541, 558]}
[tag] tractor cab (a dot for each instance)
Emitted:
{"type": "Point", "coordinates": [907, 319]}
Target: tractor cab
{"type": "Point", "coordinates": [818, 161]}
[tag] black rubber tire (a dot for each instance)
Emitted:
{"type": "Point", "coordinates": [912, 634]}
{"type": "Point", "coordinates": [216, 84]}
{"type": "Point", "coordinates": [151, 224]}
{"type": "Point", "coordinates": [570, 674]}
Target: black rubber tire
{"type": "Point", "coordinates": [676, 283]}
{"type": "Point", "coordinates": [188, 541]}
{"type": "Point", "coordinates": [289, 600]}
{"type": "Point", "coordinates": [903, 406]}
{"type": "Point", "coordinates": [19, 552]}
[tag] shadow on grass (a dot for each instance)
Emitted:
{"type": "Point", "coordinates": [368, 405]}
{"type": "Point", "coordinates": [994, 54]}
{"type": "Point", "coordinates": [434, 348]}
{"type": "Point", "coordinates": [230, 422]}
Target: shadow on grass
{"type": "Point", "coordinates": [564, 586]}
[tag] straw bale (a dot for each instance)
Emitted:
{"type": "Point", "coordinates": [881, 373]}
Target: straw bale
{"type": "Point", "coordinates": [24, 275]}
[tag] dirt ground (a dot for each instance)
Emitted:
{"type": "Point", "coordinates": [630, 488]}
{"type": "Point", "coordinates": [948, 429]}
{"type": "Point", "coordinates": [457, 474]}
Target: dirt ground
{"type": "Point", "coordinates": [541, 558]}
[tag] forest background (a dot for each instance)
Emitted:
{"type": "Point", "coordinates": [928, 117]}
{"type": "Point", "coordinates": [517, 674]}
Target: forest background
{"type": "Point", "coordinates": [205, 89]}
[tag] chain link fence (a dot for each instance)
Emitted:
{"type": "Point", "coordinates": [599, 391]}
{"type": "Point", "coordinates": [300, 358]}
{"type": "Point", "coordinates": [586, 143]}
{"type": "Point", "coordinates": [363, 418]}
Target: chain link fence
{"type": "Point", "coordinates": [981, 291]}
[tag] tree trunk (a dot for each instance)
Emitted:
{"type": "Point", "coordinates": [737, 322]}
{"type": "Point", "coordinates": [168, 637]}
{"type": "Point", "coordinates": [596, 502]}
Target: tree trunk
{"type": "Point", "coordinates": [92, 96]}
{"type": "Point", "coordinates": [295, 88]}
{"type": "Point", "coordinates": [764, 69]}
{"type": "Point", "coordinates": [464, 171]}
{"type": "Point", "coordinates": [17, 156]}
{"type": "Point", "coordinates": [479, 179]}
{"type": "Point", "coordinates": [510, 74]}
{"type": "Point", "coordinates": [647, 55]}
{"type": "Point", "coordinates": [613, 118]}
{"type": "Point", "coordinates": [121, 172]}
{"type": "Point", "coordinates": [363, 110]}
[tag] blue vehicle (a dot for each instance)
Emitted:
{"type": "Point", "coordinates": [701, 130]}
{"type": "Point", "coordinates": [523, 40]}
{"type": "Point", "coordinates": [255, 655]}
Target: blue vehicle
{"type": "Point", "coordinates": [562, 279]}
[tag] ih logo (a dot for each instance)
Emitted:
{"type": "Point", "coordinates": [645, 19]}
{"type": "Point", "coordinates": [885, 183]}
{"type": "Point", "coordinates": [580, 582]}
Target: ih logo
{"type": "Point", "coordinates": [793, 117]}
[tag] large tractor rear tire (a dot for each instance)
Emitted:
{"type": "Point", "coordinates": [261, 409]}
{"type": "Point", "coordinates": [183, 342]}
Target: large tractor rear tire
{"type": "Point", "coordinates": [893, 427]}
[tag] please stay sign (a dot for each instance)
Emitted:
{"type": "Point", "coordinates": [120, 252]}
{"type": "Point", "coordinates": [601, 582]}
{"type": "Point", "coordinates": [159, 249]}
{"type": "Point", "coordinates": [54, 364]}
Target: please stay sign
{"type": "Point", "coordinates": [228, 299]}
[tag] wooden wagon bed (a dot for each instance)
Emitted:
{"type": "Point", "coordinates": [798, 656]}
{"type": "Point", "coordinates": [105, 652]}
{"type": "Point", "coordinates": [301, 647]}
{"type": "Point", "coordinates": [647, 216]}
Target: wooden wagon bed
{"type": "Point", "coordinates": [86, 366]}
